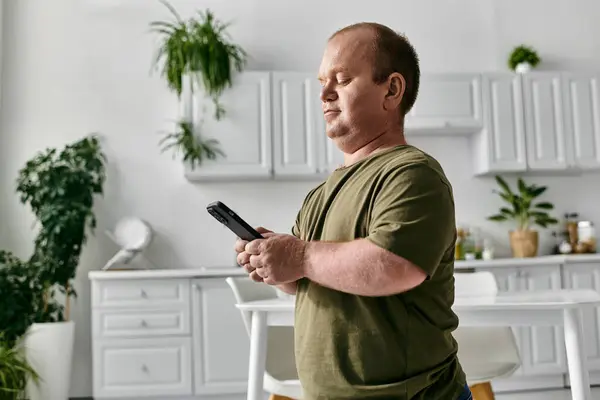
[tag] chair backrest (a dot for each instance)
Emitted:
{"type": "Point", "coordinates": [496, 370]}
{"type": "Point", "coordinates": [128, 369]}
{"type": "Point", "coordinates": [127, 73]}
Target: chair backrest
{"type": "Point", "coordinates": [245, 289]}
{"type": "Point", "coordinates": [480, 361]}
{"type": "Point", "coordinates": [480, 283]}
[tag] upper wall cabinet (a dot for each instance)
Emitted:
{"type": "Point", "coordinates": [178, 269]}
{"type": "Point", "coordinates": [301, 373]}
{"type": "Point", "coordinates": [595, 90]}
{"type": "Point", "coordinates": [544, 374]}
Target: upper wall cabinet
{"type": "Point", "coordinates": [244, 133]}
{"type": "Point", "coordinates": [501, 146]}
{"type": "Point", "coordinates": [447, 103]}
{"type": "Point", "coordinates": [582, 118]}
{"type": "Point", "coordinates": [540, 121]}
{"type": "Point", "coordinates": [274, 126]}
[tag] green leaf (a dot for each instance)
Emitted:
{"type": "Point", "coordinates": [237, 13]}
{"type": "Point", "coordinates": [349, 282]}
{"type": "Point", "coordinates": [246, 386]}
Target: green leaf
{"type": "Point", "coordinates": [537, 191]}
{"type": "Point", "coordinates": [502, 183]}
{"type": "Point", "coordinates": [544, 206]}
{"type": "Point", "coordinates": [498, 218]}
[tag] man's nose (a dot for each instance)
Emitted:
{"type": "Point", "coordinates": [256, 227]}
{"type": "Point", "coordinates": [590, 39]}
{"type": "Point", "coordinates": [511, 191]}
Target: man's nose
{"type": "Point", "coordinates": [328, 94]}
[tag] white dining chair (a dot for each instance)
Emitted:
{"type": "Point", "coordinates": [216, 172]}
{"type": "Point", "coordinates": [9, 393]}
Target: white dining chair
{"type": "Point", "coordinates": [281, 377]}
{"type": "Point", "coordinates": [485, 353]}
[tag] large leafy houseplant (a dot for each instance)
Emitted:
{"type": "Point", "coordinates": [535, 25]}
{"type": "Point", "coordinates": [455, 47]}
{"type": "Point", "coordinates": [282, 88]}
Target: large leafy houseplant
{"type": "Point", "coordinates": [21, 296]}
{"type": "Point", "coordinates": [197, 49]}
{"type": "Point", "coordinates": [525, 212]}
{"type": "Point", "coordinates": [60, 187]}
{"type": "Point", "coordinates": [15, 370]}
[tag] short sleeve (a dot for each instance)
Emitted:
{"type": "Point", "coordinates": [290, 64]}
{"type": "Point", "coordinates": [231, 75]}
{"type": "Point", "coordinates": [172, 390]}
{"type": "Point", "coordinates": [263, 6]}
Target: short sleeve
{"type": "Point", "coordinates": [295, 227]}
{"type": "Point", "coordinates": [413, 216]}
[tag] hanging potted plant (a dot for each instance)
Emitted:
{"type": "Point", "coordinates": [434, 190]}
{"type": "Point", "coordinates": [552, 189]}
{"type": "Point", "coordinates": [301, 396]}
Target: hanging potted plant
{"type": "Point", "coordinates": [523, 59]}
{"type": "Point", "coordinates": [525, 214]}
{"type": "Point", "coordinates": [60, 187]}
{"type": "Point", "coordinates": [196, 54]}
{"type": "Point", "coordinates": [193, 150]}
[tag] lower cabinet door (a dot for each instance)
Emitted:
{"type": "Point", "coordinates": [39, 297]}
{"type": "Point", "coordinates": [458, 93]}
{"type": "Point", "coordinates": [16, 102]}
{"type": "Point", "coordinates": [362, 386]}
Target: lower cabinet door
{"type": "Point", "coordinates": [142, 367]}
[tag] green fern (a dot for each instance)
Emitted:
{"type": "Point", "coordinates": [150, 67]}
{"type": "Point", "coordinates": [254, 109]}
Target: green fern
{"type": "Point", "coordinates": [199, 47]}
{"type": "Point", "coordinates": [194, 149]}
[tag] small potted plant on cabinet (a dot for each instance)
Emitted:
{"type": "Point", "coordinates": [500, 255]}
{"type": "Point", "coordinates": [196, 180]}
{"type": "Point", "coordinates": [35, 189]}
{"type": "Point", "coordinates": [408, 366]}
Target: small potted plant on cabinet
{"type": "Point", "coordinates": [525, 213]}
{"type": "Point", "coordinates": [196, 54]}
{"type": "Point", "coordinates": [523, 59]}
{"type": "Point", "coordinates": [60, 187]}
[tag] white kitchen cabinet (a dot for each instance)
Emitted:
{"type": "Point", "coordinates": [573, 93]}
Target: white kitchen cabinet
{"type": "Point", "coordinates": [244, 132]}
{"type": "Point", "coordinates": [221, 342]}
{"type": "Point", "coordinates": [586, 275]}
{"type": "Point", "coordinates": [274, 126]}
{"type": "Point", "coordinates": [296, 114]}
{"type": "Point", "coordinates": [171, 335]}
{"type": "Point", "coordinates": [448, 103]}
{"type": "Point", "coordinates": [539, 121]}
{"type": "Point", "coordinates": [542, 348]}
{"type": "Point", "coordinates": [501, 144]}
{"type": "Point", "coordinates": [544, 111]}
{"type": "Point", "coordinates": [582, 118]}
{"type": "Point", "coordinates": [543, 360]}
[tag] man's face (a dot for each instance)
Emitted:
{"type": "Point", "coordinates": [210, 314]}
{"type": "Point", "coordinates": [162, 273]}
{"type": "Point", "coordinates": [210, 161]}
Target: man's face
{"type": "Point", "coordinates": [353, 104]}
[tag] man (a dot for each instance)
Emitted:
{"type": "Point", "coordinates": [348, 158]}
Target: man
{"type": "Point", "coordinates": [371, 258]}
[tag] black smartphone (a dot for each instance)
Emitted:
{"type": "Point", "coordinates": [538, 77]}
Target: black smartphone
{"type": "Point", "coordinates": [231, 220]}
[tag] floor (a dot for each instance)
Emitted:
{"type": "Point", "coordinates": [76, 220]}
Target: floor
{"type": "Point", "coordinates": [545, 395]}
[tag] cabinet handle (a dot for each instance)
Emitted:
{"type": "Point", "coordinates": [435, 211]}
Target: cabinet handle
{"type": "Point", "coordinates": [144, 368]}
{"type": "Point", "coordinates": [143, 323]}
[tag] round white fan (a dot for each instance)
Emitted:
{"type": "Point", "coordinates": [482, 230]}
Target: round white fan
{"type": "Point", "coordinates": [133, 235]}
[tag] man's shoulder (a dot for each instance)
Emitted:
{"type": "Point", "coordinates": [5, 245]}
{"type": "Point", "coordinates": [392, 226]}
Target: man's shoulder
{"type": "Point", "coordinates": [409, 163]}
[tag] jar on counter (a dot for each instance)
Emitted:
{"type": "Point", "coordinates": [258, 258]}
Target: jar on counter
{"type": "Point", "coordinates": [586, 235]}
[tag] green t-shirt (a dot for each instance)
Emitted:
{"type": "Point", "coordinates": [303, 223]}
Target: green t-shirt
{"type": "Point", "coordinates": [389, 347]}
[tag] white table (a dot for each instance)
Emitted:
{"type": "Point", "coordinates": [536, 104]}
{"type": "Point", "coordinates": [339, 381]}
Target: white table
{"type": "Point", "coordinates": [539, 308]}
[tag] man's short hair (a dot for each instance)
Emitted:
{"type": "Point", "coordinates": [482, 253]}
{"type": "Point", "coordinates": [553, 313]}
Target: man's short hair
{"type": "Point", "coordinates": [392, 53]}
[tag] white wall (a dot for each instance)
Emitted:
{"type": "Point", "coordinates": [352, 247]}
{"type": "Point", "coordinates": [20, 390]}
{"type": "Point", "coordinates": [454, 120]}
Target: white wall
{"type": "Point", "coordinates": [75, 66]}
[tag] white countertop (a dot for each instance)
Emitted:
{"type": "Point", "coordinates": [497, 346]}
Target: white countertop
{"type": "Point", "coordinates": [172, 273]}
{"type": "Point", "coordinates": [218, 272]}
{"type": "Point", "coordinates": [521, 262]}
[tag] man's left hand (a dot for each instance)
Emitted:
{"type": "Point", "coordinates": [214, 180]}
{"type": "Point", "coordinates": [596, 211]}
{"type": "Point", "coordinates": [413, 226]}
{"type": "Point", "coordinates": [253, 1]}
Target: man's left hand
{"type": "Point", "coordinates": [278, 259]}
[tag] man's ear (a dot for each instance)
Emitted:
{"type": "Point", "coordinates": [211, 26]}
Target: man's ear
{"type": "Point", "coordinates": [396, 87]}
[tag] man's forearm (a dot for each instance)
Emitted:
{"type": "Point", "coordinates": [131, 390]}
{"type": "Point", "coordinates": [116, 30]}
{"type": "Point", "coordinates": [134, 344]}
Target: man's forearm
{"type": "Point", "coordinates": [360, 267]}
{"type": "Point", "coordinates": [289, 288]}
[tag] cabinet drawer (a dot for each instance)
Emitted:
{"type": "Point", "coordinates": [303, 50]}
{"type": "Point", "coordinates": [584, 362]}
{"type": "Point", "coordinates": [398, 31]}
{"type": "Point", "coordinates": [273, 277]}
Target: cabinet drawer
{"type": "Point", "coordinates": [141, 323]}
{"type": "Point", "coordinates": [142, 367]}
{"type": "Point", "coordinates": [141, 293]}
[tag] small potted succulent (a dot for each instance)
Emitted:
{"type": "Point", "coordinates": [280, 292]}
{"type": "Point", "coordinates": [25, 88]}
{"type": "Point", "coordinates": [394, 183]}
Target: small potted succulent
{"type": "Point", "coordinates": [523, 59]}
{"type": "Point", "coordinates": [525, 212]}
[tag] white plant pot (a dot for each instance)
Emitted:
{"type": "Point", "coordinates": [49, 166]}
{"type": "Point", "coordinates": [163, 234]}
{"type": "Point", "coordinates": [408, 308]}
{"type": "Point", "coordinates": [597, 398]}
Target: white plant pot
{"type": "Point", "coordinates": [523, 68]}
{"type": "Point", "coordinates": [49, 350]}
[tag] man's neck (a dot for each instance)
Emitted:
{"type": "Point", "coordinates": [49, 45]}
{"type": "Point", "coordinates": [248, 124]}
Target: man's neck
{"type": "Point", "coordinates": [386, 140]}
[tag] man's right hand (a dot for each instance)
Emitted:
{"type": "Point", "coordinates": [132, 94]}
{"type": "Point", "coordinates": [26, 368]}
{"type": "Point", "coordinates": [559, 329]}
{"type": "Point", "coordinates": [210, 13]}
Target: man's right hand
{"type": "Point", "coordinates": [243, 258]}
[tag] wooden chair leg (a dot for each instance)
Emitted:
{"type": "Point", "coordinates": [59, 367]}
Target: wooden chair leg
{"type": "Point", "coordinates": [278, 397]}
{"type": "Point", "coordinates": [482, 391]}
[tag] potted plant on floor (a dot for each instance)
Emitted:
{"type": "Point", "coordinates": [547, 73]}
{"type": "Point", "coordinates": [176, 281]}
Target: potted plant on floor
{"type": "Point", "coordinates": [59, 187]}
{"type": "Point", "coordinates": [525, 212]}
{"type": "Point", "coordinates": [522, 59]}
{"type": "Point", "coordinates": [196, 54]}
{"type": "Point", "coordinates": [19, 297]}
{"type": "Point", "coordinates": [15, 370]}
